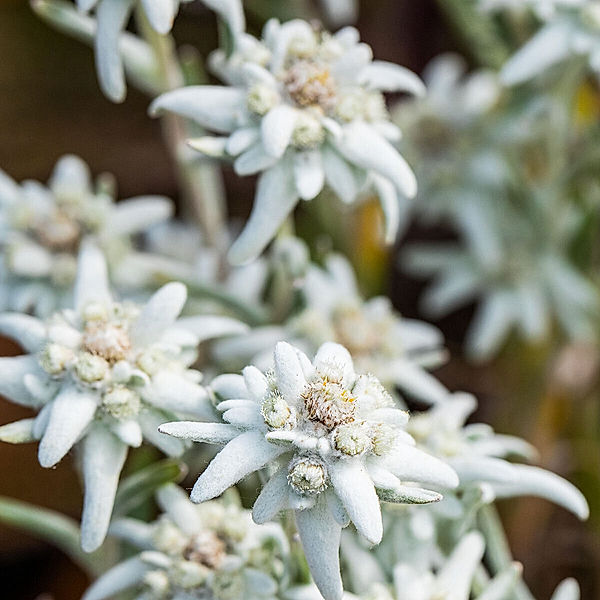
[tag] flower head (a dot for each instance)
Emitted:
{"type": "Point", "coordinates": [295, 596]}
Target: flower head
{"type": "Point", "coordinates": [212, 551]}
{"type": "Point", "coordinates": [304, 107]}
{"type": "Point", "coordinates": [43, 228]}
{"type": "Point", "coordinates": [336, 442]}
{"type": "Point", "coordinates": [104, 375]}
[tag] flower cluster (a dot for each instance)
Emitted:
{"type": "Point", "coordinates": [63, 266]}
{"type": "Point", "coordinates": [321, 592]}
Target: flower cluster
{"type": "Point", "coordinates": [103, 376]}
{"type": "Point", "coordinates": [211, 551]}
{"type": "Point", "coordinates": [41, 229]}
{"type": "Point", "coordinates": [334, 441]}
{"type": "Point", "coordinates": [303, 107]}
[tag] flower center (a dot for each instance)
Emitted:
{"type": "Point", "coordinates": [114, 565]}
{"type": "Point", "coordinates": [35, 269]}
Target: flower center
{"type": "Point", "coordinates": [206, 548]}
{"type": "Point", "coordinates": [58, 233]}
{"type": "Point", "coordinates": [107, 340]}
{"type": "Point", "coordinates": [328, 402]}
{"type": "Point", "coordinates": [310, 83]}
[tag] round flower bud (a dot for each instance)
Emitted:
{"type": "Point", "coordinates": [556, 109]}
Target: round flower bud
{"type": "Point", "coordinates": [352, 439]}
{"type": "Point", "coordinates": [308, 131]}
{"type": "Point", "coordinates": [158, 582]}
{"type": "Point", "coordinates": [349, 107]}
{"type": "Point", "coordinates": [95, 311]}
{"type": "Point", "coordinates": [54, 358]}
{"type": "Point", "coordinates": [121, 402]}
{"type": "Point", "coordinates": [188, 575]}
{"type": "Point", "coordinates": [307, 476]}
{"type": "Point", "coordinates": [90, 368]}
{"type": "Point", "coordinates": [261, 99]}
{"type": "Point", "coordinates": [168, 538]}
{"type": "Point", "coordinates": [275, 410]}
{"type": "Point", "coordinates": [151, 361]}
{"type": "Point", "coordinates": [382, 438]}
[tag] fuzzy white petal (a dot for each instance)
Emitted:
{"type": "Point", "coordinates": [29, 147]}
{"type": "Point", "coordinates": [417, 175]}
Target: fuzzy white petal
{"type": "Point", "coordinates": [91, 284]}
{"type": "Point", "coordinates": [320, 536]}
{"type": "Point", "coordinates": [256, 383]}
{"type": "Point", "coordinates": [355, 489]}
{"type": "Point", "coordinates": [72, 411]}
{"type": "Point", "coordinates": [158, 314]}
{"type": "Point", "coordinates": [19, 432]}
{"type": "Point", "coordinates": [276, 129]}
{"type": "Point", "coordinates": [172, 392]}
{"type": "Point", "coordinates": [161, 13]}
{"type": "Point", "coordinates": [272, 498]}
{"type": "Point", "coordinates": [340, 175]}
{"type": "Point", "coordinates": [243, 455]}
{"type": "Point", "coordinates": [125, 575]}
{"type": "Point", "coordinates": [176, 503]}
{"type": "Point", "coordinates": [207, 327]}
{"type": "Point", "coordinates": [275, 199]}
{"type": "Point", "coordinates": [568, 589]}
{"type": "Point", "coordinates": [215, 107]}
{"type": "Point", "coordinates": [229, 386]}
{"type": "Point", "coordinates": [13, 370]}
{"type": "Point", "coordinates": [128, 431]}
{"type": "Point", "coordinates": [363, 146]}
{"type": "Point", "coordinates": [288, 370]}
{"type": "Point", "coordinates": [417, 382]}
{"type": "Point", "coordinates": [211, 433]}
{"type": "Point", "coordinates": [309, 174]}
{"type": "Point", "coordinates": [137, 214]}
{"type": "Point", "coordinates": [28, 331]}
{"type": "Point", "coordinates": [389, 77]}
{"type": "Point", "coordinates": [112, 16]}
{"type": "Point", "coordinates": [103, 458]}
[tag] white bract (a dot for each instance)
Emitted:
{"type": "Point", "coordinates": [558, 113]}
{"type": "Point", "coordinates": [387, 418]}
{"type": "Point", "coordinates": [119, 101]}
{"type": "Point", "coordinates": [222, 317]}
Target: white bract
{"type": "Point", "coordinates": [570, 30]}
{"type": "Point", "coordinates": [334, 444]}
{"type": "Point", "coordinates": [103, 376]}
{"type": "Point", "coordinates": [208, 552]}
{"type": "Point", "coordinates": [480, 456]}
{"type": "Point", "coordinates": [395, 350]}
{"type": "Point", "coordinates": [303, 108]}
{"type": "Point", "coordinates": [41, 229]}
{"type": "Point", "coordinates": [515, 264]}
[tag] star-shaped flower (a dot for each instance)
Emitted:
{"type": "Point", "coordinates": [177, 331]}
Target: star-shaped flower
{"type": "Point", "coordinates": [303, 108]}
{"type": "Point", "coordinates": [335, 445]}
{"type": "Point", "coordinates": [42, 227]}
{"type": "Point", "coordinates": [103, 376]}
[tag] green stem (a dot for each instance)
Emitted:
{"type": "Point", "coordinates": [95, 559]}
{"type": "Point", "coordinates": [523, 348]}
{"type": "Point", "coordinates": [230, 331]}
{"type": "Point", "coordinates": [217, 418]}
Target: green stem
{"type": "Point", "coordinates": [253, 315]}
{"type": "Point", "coordinates": [54, 528]}
{"type": "Point", "coordinates": [199, 179]}
{"type": "Point", "coordinates": [497, 548]}
{"type": "Point", "coordinates": [477, 32]}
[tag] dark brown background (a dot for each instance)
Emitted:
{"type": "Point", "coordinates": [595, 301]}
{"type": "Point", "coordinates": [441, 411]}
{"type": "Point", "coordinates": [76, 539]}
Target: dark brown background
{"type": "Point", "coordinates": [50, 105]}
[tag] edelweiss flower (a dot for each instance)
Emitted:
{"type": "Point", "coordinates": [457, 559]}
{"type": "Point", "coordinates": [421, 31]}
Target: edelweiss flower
{"type": "Point", "coordinates": [479, 456]}
{"type": "Point", "coordinates": [103, 376]}
{"type": "Point", "coordinates": [303, 108]}
{"type": "Point", "coordinates": [335, 444]}
{"type": "Point", "coordinates": [572, 30]}
{"type": "Point", "coordinates": [212, 551]}
{"type": "Point", "coordinates": [394, 349]}
{"type": "Point", "coordinates": [41, 229]}
{"type": "Point", "coordinates": [516, 263]}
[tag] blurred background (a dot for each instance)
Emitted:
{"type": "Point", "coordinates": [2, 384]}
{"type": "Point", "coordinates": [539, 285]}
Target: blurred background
{"type": "Point", "coordinates": [50, 105]}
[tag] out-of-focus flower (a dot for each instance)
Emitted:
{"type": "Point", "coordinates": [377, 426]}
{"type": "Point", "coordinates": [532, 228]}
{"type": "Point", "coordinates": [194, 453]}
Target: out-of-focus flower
{"type": "Point", "coordinates": [335, 444]}
{"type": "Point", "coordinates": [570, 30]}
{"type": "Point", "coordinates": [544, 9]}
{"type": "Point", "coordinates": [340, 12]}
{"type": "Point", "coordinates": [479, 456]}
{"type": "Point", "coordinates": [395, 350]}
{"type": "Point", "coordinates": [516, 265]}
{"type": "Point", "coordinates": [211, 551]}
{"type": "Point", "coordinates": [302, 108]}
{"type": "Point", "coordinates": [41, 229]}
{"type": "Point", "coordinates": [103, 376]}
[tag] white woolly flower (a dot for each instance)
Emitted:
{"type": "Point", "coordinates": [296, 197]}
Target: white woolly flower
{"type": "Point", "coordinates": [103, 376]}
{"type": "Point", "coordinates": [41, 229]}
{"type": "Point", "coordinates": [303, 108]}
{"type": "Point", "coordinates": [571, 30]}
{"type": "Point", "coordinates": [213, 551]}
{"type": "Point", "coordinates": [395, 350]}
{"type": "Point", "coordinates": [112, 17]}
{"type": "Point", "coordinates": [479, 456]}
{"type": "Point", "coordinates": [515, 264]}
{"type": "Point", "coordinates": [334, 443]}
